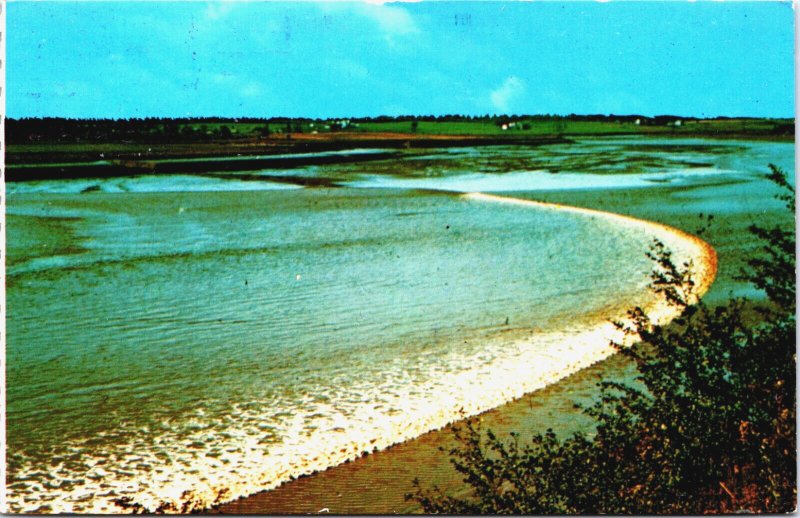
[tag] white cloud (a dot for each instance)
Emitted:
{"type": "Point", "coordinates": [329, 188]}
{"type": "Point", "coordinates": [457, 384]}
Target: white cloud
{"type": "Point", "coordinates": [503, 97]}
{"type": "Point", "coordinates": [390, 22]}
{"type": "Point", "coordinates": [391, 19]}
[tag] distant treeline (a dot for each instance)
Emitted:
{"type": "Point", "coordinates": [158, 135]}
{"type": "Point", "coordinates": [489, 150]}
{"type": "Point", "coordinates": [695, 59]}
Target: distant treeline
{"type": "Point", "coordinates": [153, 129]}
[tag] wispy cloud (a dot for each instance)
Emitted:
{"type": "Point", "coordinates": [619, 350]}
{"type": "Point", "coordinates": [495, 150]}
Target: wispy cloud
{"type": "Point", "coordinates": [219, 9]}
{"type": "Point", "coordinates": [234, 83]}
{"type": "Point", "coordinates": [387, 19]}
{"type": "Point", "coordinates": [392, 20]}
{"type": "Point", "coordinates": [503, 97]}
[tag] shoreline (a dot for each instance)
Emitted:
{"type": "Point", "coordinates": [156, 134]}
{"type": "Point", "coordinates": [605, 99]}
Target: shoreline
{"type": "Point", "coordinates": [577, 352]}
{"type": "Point", "coordinates": [61, 162]}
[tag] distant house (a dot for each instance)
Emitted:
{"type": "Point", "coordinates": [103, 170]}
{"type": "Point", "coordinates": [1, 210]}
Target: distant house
{"type": "Point", "coordinates": [340, 124]}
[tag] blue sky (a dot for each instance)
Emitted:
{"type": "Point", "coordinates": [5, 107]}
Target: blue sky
{"type": "Point", "coordinates": [138, 59]}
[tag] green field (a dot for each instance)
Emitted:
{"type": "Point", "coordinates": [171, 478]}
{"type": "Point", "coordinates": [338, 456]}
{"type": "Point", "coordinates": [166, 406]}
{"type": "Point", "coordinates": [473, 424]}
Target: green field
{"type": "Point", "coordinates": [516, 126]}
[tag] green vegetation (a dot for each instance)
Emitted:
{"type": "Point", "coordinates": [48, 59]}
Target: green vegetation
{"type": "Point", "coordinates": [574, 126]}
{"type": "Point", "coordinates": [152, 130]}
{"type": "Point", "coordinates": [708, 427]}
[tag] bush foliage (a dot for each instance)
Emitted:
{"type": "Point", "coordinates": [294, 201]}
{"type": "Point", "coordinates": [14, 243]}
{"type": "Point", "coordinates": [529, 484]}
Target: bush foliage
{"type": "Point", "coordinates": [709, 427]}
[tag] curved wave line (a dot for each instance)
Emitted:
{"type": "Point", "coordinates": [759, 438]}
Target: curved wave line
{"type": "Point", "coordinates": [704, 257]}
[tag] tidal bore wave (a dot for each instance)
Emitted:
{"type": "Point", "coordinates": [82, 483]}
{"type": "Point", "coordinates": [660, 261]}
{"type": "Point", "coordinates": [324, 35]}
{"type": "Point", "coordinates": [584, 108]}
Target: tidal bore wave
{"type": "Point", "coordinates": [258, 447]}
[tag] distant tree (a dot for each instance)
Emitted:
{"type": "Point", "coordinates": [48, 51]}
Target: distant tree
{"type": "Point", "coordinates": [187, 131]}
{"type": "Point", "coordinates": [414, 125]}
{"type": "Point", "coordinates": [263, 131]}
